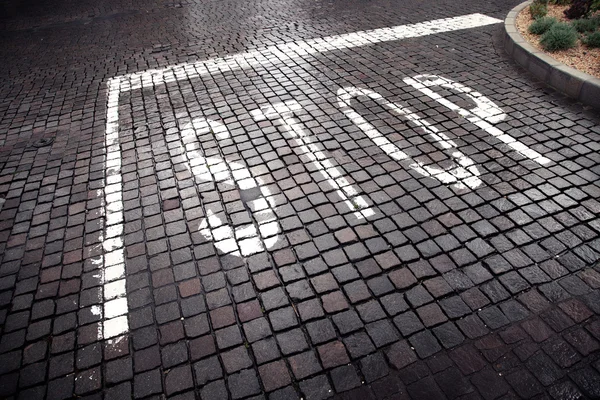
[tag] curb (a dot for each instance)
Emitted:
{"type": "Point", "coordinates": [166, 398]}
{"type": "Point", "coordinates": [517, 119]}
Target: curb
{"type": "Point", "coordinates": [575, 84]}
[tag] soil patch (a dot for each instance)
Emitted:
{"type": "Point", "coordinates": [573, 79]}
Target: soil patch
{"type": "Point", "coordinates": [580, 57]}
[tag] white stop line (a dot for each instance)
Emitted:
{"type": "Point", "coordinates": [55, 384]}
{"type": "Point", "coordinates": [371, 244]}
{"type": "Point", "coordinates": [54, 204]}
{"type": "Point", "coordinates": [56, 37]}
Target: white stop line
{"type": "Point", "coordinates": [245, 240]}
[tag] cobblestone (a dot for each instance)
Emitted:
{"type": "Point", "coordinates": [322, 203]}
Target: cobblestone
{"type": "Point", "coordinates": [274, 200]}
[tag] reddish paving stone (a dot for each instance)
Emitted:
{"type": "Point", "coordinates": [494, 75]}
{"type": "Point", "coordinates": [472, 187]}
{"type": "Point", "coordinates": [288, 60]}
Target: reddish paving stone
{"type": "Point", "coordinates": [304, 364]}
{"type": "Point", "coordinates": [402, 278]}
{"type": "Point", "coordinates": [537, 329]}
{"type": "Point", "coordinates": [248, 311]}
{"type": "Point", "coordinates": [222, 317]}
{"type": "Point", "coordinates": [202, 347]}
{"type": "Point", "coordinates": [333, 354]}
{"type": "Point", "coordinates": [431, 315]}
{"type": "Point", "coordinates": [265, 280]}
{"type": "Point", "coordinates": [189, 288]}
{"type": "Point", "coordinates": [576, 310]}
{"type": "Point", "coordinates": [236, 359]}
{"type": "Point", "coordinates": [274, 375]}
{"type": "Point", "coordinates": [334, 302]}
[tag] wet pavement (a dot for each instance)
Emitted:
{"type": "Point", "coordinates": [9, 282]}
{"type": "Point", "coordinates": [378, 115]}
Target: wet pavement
{"type": "Point", "coordinates": [308, 199]}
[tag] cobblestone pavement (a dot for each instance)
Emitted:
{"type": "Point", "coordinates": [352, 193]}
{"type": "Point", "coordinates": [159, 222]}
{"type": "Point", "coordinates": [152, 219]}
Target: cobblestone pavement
{"type": "Point", "coordinates": [308, 199]}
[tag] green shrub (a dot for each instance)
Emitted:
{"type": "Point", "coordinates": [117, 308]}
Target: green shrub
{"type": "Point", "coordinates": [585, 25]}
{"type": "Point", "coordinates": [560, 36]}
{"type": "Point", "coordinates": [592, 40]}
{"type": "Point", "coordinates": [562, 2]}
{"type": "Point", "coordinates": [538, 10]}
{"type": "Point", "coordinates": [541, 25]}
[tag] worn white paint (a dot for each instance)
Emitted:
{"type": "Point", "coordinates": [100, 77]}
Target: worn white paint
{"type": "Point", "coordinates": [302, 49]}
{"type": "Point", "coordinates": [309, 151]}
{"type": "Point", "coordinates": [241, 240]}
{"type": "Point", "coordinates": [483, 115]}
{"type": "Point", "coordinates": [111, 265]}
{"type": "Point", "coordinates": [464, 175]}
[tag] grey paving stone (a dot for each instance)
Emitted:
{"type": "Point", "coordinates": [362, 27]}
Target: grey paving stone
{"type": "Point", "coordinates": [317, 388]}
{"type": "Point", "coordinates": [243, 384]}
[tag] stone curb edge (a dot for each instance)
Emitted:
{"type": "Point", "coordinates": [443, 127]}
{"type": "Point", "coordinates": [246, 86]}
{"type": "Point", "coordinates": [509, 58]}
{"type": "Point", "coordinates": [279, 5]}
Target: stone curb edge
{"type": "Point", "coordinates": [575, 84]}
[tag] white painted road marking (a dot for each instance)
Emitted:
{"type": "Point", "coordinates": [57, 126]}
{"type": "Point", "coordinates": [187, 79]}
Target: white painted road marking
{"type": "Point", "coordinates": [461, 177]}
{"type": "Point", "coordinates": [111, 265]}
{"type": "Point", "coordinates": [242, 239]}
{"type": "Point", "coordinates": [484, 115]}
{"type": "Point", "coordinates": [347, 193]}
{"type": "Point", "coordinates": [303, 48]}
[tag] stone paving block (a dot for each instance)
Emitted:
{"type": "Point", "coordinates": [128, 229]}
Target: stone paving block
{"type": "Point", "coordinates": [265, 350]}
{"type": "Point", "coordinates": [448, 335]}
{"type": "Point", "coordinates": [490, 384]}
{"type": "Point", "coordinates": [286, 393]}
{"type": "Point", "coordinates": [493, 317]}
{"type": "Point", "coordinates": [320, 331]}
{"type": "Point", "coordinates": [374, 367]}
{"type": "Point", "coordinates": [557, 319]}
{"type": "Point", "coordinates": [274, 375]}
{"type": "Point", "coordinates": [431, 314]}
{"type": "Point", "coordinates": [257, 329]}
{"type": "Point", "coordinates": [561, 352]}
{"type": "Point", "coordinates": [292, 341]}
{"type": "Point", "coordinates": [345, 378]}
{"type": "Point", "coordinates": [544, 369]}
{"type": "Point", "coordinates": [347, 321]}
{"type": "Point", "coordinates": [243, 384]}
{"type": "Point", "coordinates": [310, 309]}
{"type": "Point", "coordinates": [467, 359]}
{"type": "Point", "coordinates": [425, 344]}
{"type": "Point", "coordinates": [587, 380]}
{"type": "Point", "coordinates": [425, 388]}
{"type": "Point", "coordinates": [147, 383]}
{"type": "Point", "coordinates": [317, 388]}
{"type": "Point", "coordinates": [236, 359]}
{"type": "Point", "coordinates": [524, 383]}
{"type": "Point", "coordinates": [333, 354]}
{"type": "Point", "coordinates": [304, 364]}
{"type": "Point", "coordinates": [582, 341]}
{"type": "Point", "coordinates": [178, 379]}
{"type": "Point", "coordinates": [382, 333]}
{"type": "Point", "coordinates": [207, 370]}
{"type": "Point", "coordinates": [400, 354]}
{"type": "Point", "coordinates": [359, 344]}
{"type": "Point", "coordinates": [119, 370]}
{"type": "Point", "coordinates": [452, 383]}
